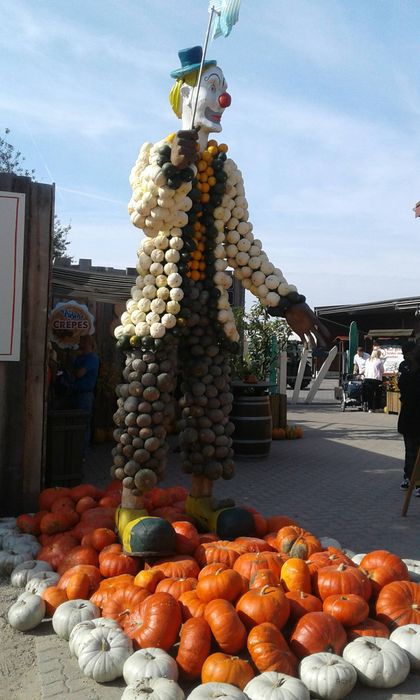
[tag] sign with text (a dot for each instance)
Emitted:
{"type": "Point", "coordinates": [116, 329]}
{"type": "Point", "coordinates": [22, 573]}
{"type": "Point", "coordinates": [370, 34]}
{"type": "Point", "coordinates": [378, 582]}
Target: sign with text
{"type": "Point", "coordinates": [68, 321]}
{"type": "Point", "coordinates": [12, 233]}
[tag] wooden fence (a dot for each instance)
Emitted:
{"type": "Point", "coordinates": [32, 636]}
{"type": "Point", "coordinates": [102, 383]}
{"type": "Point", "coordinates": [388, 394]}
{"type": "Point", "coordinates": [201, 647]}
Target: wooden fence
{"type": "Point", "coordinates": [23, 383]}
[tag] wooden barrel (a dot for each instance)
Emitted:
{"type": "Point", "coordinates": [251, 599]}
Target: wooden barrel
{"type": "Point", "coordinates": [251, 416]}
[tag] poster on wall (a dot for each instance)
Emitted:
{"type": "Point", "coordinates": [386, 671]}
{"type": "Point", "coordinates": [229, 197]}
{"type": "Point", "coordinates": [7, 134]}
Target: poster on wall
{"type": "Point", "coordinates": [12, 233]}
{"type": "Point", "coordinates": [68, 321]}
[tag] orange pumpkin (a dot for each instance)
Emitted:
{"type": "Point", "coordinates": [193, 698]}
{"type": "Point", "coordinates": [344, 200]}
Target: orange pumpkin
{"type": "Point", "coordinates": [115, 562]}
{"type": "Point", "coordinates": [222, 551]}
{"type": "Point", "coordinates": [296, 542]}
{"type": "Point", "coordinates": [295, 575]}
{"type": "Point", "coordinates": [222, 668]}
{"type": "Point", "coordinates": [123, 602]}
{"type": "Point", "coordinates": [107, 587]}
{"type": "Point", "coordinates": [156, 623]}
{"type": "Point", "coordinates": [316, 632]}
{"type": "Point", "coordinates": [350, 609]}
{"type": "Point", "coordinates": [302, 603]}
{"type": "Point", "coordinates": [267, 604]}
{"type": "Point", "coordinates": [48, 496]}
{"type": "Point", "coordinates": [398, 604]}
{"type": "Point", "coordinates": [224, 583]}
{"type": "Point", "coordinates": [253, 544]}
{"type": "Point", "coordinates": [278, 434]}
{"type": "Point", "coordinates": [55, 552]}
{"type": "Point", "coordinates": [226, 626]}
{"type": "Point", "coordinates": [79, 555]}
{"type": "Point", "coordinates": [382, 567]}
{"type": "Point", "coordinates": [30, 524]}
{"type": "Point", "coordinates": [342, 579]}
{"type": "Point", "coordinates": [53, 597]}
{"type": "Point", "coordinates": [149, 579]}
{"type": "Point", "coordinates": [85, 503]}
{"type": "Point", "coordinates": [367, 628]}
{"type": "Point", "coordinates": [269, 650]}
{"type": "Point", "coordinates": [176, 586]}
{"type": "Point", "coordinates": [99, 538]}
{"type": "Point", "coordinates": [194, 647]}
{"type": "Point", "coordinates": [187, 539]}
{"type": "Point", "coordinates": [248, 564]}
{"type": "Point", "coordinates": [78, 586]}
{"type": "Point", "coordinates": [92, 572]}
{"type": "Point", "coordinates": [263, 577]}
{"type": "Point", "coordinates": [191, 605]}
{"type": "Point", "coordinates": [178, 566]}
{"type": "Point", "coordinates": [85, 490]}
{"type": "Point", "coordinates": [211, 569]}
{"type": "Point", "coordinates": [62, 503]}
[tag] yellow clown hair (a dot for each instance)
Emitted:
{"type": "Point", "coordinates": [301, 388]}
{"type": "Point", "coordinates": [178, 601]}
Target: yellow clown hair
{"type": "Point", "coordinates": [175, 93]}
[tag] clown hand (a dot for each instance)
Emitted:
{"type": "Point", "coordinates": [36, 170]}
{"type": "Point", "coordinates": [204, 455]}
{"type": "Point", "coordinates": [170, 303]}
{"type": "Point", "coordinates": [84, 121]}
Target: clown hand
{"type": "Point", "coordinates": [303, 321]}
{"type": "Point", "coordinates": [184, 148]}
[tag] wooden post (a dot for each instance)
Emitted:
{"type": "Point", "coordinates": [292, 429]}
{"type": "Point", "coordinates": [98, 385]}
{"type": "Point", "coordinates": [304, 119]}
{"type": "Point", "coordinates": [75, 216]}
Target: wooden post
{"type": "Point", "coordinates": [23, 387]}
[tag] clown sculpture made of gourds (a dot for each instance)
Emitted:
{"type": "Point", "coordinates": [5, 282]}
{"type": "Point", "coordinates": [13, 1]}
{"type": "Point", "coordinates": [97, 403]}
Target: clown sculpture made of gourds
{"type": "Point", "coordinates": [189, 200]}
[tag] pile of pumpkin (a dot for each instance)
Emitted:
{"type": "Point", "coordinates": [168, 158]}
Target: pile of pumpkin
{"type": "Point", "coordinates": [280, 615]}
{"type": "Point", "coordinates": [290, 432]}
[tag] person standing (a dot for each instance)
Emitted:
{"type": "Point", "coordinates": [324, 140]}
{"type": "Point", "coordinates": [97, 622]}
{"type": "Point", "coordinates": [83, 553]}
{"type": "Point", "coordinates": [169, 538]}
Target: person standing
{"type": "Point", "coordinates": [372, 384]}
{"type": "Point", "coordinates": [409, 418]}
{"type": "Point", "coordinates": [359, 361]}
{"type": "Point", "coordinates": [85, 371]}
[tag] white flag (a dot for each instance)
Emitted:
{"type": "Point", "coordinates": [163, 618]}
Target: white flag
{"type": "Point", "coordinates": [227, 15]}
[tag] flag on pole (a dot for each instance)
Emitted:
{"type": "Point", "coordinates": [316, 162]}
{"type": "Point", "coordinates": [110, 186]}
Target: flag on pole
{"type": "Point", "coordinates": [227, 14]}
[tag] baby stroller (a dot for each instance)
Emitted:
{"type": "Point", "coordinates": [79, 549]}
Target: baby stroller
{"type": "Point", "coordinates": [352, 386]}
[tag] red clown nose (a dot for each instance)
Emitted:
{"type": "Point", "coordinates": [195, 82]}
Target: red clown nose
{"type": "Point", "coordinates": [225, 100]}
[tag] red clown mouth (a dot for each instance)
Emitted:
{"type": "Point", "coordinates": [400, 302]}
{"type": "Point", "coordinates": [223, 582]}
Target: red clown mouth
{"type": "Point", "coordinates": [212, 116]}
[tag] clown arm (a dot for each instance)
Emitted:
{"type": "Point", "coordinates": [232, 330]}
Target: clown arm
{"type": "Point", "coordinates": [244, 253]}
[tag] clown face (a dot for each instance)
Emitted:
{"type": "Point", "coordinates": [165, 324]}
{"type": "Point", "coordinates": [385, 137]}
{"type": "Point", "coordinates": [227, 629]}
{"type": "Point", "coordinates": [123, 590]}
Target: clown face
{"type": "Point", "coordinates": [212, 101]}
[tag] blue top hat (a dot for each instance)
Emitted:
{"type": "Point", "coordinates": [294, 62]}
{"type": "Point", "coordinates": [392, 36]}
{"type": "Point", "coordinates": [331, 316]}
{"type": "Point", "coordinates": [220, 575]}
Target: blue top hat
{"type": "Point", "coordinates": [190, 60]}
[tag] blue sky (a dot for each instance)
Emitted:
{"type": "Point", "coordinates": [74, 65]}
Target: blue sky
{"type": "Point", "coordinates": [324, 124]}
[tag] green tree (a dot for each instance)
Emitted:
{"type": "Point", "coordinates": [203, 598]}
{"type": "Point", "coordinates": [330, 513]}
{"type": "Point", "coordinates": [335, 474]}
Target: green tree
{"type": "Point", "coordinates": [12, 161]}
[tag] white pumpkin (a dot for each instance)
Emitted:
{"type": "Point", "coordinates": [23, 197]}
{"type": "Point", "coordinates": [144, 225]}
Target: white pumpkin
{"type": "Point", "coordinates": [9, 560]}
{"type": "Point", "coordinates": [154, 689]}
{"type": "Point", "coordinates": [40, 580]}
{"type": "Point", "coordinates": [20, 574]}
{"type": "Point", "coordinates": [21, 544]}
{"type": "Point", "coordinates": [27, 612]}
{"type": "Point", "coordinates": [149, 663]}
{"type": "Point", "coordinates": [70, 613]}
{"type": "Point", "coordinates": [408, 638]}
{"type": "Point", "coordinates": [80, 632]}
{"type": "Point", "coordinates": [329, 542]}
{"type": "Point", "coordinates": [413, 566]}
{"type": "Point", "coordinates": [379, 662]}
{"type": "Point", "coordinates": [271, 685]}
{"type": "Point", "coordinates": [103, 653]}
{"type": "Point", "coordinates": [327, 676]}
{"type": "Point", "coordinates": [209, 691]}
{"type": "Point", "coordinates": [357, 558]}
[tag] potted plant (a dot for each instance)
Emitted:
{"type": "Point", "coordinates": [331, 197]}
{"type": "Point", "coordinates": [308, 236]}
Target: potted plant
{"type": "Point", "coordinates": [262, 339]}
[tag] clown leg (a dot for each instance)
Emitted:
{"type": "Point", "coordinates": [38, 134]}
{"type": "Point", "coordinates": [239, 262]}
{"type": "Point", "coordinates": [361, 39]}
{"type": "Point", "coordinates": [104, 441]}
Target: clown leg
{"type": "Point", "coordinates": [205, 432]}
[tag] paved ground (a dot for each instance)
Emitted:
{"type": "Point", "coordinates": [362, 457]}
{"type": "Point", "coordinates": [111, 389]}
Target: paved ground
{"type": "Point", "coordinates": [341, 480]}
